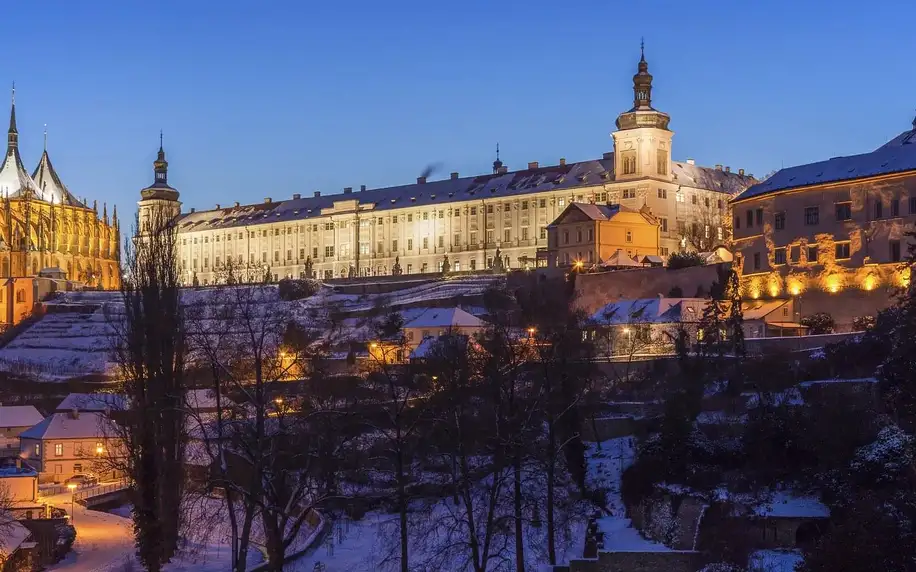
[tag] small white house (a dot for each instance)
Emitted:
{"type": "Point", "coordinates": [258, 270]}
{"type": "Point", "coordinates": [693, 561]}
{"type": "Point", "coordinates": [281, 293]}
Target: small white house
{"type": "Point", "coordinates": [14, 419]}
{"type": "Point", "coordinates": [72, 443]}
{"type": "Point", "coordinates": [436, 322]}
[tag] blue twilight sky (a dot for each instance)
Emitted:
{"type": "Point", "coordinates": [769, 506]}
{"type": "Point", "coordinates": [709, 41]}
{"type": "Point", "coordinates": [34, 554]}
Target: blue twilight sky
{"type": "Point", "coordinates": [276, 97]}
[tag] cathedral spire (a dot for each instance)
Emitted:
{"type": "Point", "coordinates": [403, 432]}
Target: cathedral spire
{"type": "Point", "coordinates": [642, 82]}
{"type": "Point", "coordinates": [12, 137]}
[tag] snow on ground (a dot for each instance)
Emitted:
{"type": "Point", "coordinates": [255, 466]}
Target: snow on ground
{"type": "Point", "coordinates": [606, 463]}
{"type": "Point", "coordinates": [774, 560]}
{"type": "Point", "coordinates": [103, 541]}
{"type": "Point", "coordinates": [349, 546]}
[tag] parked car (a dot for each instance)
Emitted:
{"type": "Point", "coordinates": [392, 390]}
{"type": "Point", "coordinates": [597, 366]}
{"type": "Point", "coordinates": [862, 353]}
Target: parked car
{"type": "Point", "coordinates": [81, 480]}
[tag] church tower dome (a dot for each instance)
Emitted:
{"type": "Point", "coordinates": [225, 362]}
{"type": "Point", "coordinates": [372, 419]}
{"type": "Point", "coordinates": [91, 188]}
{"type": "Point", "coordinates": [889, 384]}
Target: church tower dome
{"type": "Point", "coordinates": [642, 142]}
{"type": "Point", "coordinates": [159, 202]}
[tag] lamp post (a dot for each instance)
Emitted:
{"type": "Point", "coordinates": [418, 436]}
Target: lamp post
{"type": "Point", "coordinates": [72, 488]}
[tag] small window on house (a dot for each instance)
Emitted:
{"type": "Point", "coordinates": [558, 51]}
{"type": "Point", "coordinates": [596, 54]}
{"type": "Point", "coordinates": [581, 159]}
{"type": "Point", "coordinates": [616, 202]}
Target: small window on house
{"type": "Point", "coordinates": [543, 232]}
{"type": "Point", "coordinates": [812, 254]}
{"type": "Point", "coordinates": [720, 204]}
{"type": "Point", "coordinates": [812, 216]}
{"type": "Point", "coordinates": [663, 193]}
{"type": "Point", "coordinates": [750, 218]}
{"type": "Point", "coordinates": [693, 199]}
{"type": "Point", "coordinates": [663, 224]}
{"type": "Point", "coordinates": [793, 254]}
{"type": "Point", "coordinates": [895, 207]}
{"type": "Point", "coordinates": [706, 202]}
{"type": "Point", "coordinates": [58, 449]}
{"type": "Point", "coordinates": [37, 449]}
{"type": "Point", "coordinates": [507, 235]}
{"type": "Point", "coordinates": [912, 205]}
{"type": "Point", "coordinates": [565, 237]}
{"type": "Point", "coordinates": [779, 256]}
{"type": "Point", "coordinates": [779, 221]}
{"type": "Point", "coordinates": [756, 261]}
{"type": "Point", "coordinates": [759, 216]}
{"type": "Point", "coordinates": [879, 209]}
{"type": "Point", "coordinates": [77, 468]}
{"type": "Point", "coordinates": [842, 250]}
{"type": "Point", "coordinates": [737, 222]}
{"type": "Point", "coordinates": [843, 211]}
{"type": "Point", "coordinates": [590, 235]}
{"type": "Point", "coordinates": [629, 235]}
{"type": "Point", "coordinates": [489, 209]}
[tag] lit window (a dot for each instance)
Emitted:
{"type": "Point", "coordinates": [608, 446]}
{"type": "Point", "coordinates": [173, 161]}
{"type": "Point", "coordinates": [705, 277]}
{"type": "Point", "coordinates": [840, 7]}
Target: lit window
{"type": "Point", "coordinates": [58, 449]}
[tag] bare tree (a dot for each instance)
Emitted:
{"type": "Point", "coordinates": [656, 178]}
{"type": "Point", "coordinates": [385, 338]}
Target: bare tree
{"type": "Point", "coordinates": [148, 344]}
{"type": "Point", "coordinates": [708, 227]}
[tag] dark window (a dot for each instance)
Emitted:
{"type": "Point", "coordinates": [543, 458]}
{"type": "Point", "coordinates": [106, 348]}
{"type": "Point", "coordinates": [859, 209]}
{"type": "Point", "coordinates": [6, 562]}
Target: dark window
{"type": "Point", "coordinates": [895, 251]}
{"type": "Point", "coordinates": [779, 221]}
{"type": "Point", "coordinates": [912, 205]}
{"type": "Point", "coordinates": [812, 254]}
{"type": "Point", "coordinates": [720, 204]}
{"type": "Point", "coordinates": [842, 250]}
{"type": "Point", "coordinates": [759, 217]}
{"type": "Point", "coordinates": [756, 261]}
{"type": "Point", "coordinates": [793, 254]}
{"type": "Point", "coordinates": [779, 256]}
{"type": "Point", "coordinates": [664, 224]}
{"type": "Point", "coordinates": [737, 222]}
{"type": "Point", "coordinates": [843, 211]}
{"type": "Point", "coordinates": [750, 219]}
{"type": "Point", "coordinates": [895, 207]}
{"type": "Point", "coordinates": [879, 209]}
{"type": "Point", "coordinates": [812, 216]}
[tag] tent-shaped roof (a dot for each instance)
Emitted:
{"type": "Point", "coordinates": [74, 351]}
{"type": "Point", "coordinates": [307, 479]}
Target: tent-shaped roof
{"type": "Point", "coordinates": [85, 425]}
{"type": "Point", "coordinates": [48, 183]}
{"type": "Point", "coordinates": [620, 258]}
{"type": "Point", "coordinates": [445, 318]}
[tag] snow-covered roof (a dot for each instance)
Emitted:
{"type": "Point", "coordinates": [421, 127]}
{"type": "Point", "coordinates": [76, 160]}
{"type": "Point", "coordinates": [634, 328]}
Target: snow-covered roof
{"type": "Point", "coordinates": [86, 425]}
{"type": "Point", "coordinates": [650, 311]}
{"type": "Point", "coordinates": [48, 183]}
{"type": "Point", "coordinates": [14, 534]}
{"type": "Point", "coordinates": [760, 309]}
{"type": "Point", "coordinates": [19, 416]}
{"type": "Point", "coordinates": [493, 186]}
{"type": "Point", "coordinates": [92, 402]}
{"type": "Point", "coordinates": [13, 176]}
{"type": "Point", "coordinates": [788, 505]}
{"type": "Point", "coordinates": [896, 156]}
{"type": "Point", "coordinates": [199, 399]}
{"type": "Point", "coordinates": [445, 318]}
{"type": "Point", "coordinates": [620, 258]}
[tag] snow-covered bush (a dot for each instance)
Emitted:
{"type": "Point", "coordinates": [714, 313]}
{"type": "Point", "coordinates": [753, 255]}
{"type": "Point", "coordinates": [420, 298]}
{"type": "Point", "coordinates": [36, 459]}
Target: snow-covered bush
{"type": "Point", "coordinates": [885, 459]}
{"type": "Point", "coordinates": [660, 520]}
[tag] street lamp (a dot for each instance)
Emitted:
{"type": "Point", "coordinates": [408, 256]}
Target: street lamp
{"type": "Point", "coordinates": [72, 488]}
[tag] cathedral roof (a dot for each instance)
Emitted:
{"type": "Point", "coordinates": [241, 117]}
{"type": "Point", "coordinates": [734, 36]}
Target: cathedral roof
{"type": "Point", "coordinates": [48, 183]}
{"type": "Point", "coordinates": [472, 190]}
{"type": "Point", "coordinates": [13, 176]}
{"type": "Point", "coordinates": [896, 156]}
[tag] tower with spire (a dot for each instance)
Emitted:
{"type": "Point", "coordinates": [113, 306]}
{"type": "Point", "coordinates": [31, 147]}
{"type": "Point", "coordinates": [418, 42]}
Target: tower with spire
{"type": "Point", "coordinates": [159, 202]}
{"type": "Point", "coordinates": [642, 141]}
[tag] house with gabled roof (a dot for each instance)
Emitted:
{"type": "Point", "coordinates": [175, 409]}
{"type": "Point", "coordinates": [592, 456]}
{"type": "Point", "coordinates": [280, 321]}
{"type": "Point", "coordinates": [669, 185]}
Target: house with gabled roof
{"type": "Point", "coordinates": [586, 235]}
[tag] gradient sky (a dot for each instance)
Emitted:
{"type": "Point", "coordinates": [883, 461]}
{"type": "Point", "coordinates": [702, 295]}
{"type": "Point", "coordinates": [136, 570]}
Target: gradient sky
{"type": "Point", "coordinates": [278, 97]}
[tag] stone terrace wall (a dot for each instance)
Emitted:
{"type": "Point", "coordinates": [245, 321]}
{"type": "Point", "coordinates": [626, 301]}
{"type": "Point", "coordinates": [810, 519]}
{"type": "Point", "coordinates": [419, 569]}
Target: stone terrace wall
{"type": "Point", "coordinates": [846, 304]}
{"type": "Point", "coordinates": [596, 290]}
{"type": "Point", "coordinates": [640, 562]}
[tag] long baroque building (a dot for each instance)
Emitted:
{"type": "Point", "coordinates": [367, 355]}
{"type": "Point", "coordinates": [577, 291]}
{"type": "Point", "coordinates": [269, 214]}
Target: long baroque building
{"type": "Point", "coordinates": [43, 227]}
{"type": "Point", "coordinates": [413, 228]}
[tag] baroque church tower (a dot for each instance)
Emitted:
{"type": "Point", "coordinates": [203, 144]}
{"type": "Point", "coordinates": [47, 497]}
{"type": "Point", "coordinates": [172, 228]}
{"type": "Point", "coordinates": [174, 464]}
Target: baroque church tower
{"type": "Point", "coordinates": [159, 202]}
{"type": "Point", "coordinates": [642, 142]}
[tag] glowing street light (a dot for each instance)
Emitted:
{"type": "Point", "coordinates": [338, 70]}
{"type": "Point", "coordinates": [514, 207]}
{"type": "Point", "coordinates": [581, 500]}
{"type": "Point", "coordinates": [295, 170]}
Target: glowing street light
{"type": "Point", "coordinates": [72, 488]}
{"type": "Point", "coordinates": [531, 331]}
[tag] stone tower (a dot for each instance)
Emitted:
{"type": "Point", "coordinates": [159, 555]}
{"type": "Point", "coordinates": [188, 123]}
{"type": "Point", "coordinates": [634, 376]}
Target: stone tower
{"type": "Point", "coordinates": [642, 142]}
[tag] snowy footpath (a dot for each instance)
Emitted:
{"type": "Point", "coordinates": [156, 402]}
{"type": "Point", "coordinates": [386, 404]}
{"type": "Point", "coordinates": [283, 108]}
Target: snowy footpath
{"type": "Point", "coordinates": [103, 541]}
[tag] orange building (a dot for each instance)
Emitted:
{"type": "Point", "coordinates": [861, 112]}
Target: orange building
{"type": "Point", "coordinates": [587, 234]}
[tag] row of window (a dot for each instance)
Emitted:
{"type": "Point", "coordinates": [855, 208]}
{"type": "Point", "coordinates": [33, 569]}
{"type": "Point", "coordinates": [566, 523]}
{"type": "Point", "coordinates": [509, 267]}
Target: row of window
{"type": "Point", "coordinates": [841, 252]}
{"type": "Point", "coordinates": [812, 215]}
{"type": "Point", "coordinates": [78, 449]}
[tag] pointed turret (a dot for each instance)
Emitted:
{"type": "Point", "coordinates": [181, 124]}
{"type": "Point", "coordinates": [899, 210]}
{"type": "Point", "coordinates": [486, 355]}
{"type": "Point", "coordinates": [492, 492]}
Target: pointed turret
{"type": "Point", "coordinates": [50, 187]}
{"type": "Point", "coordinates": [105, 213]}
{"type": "Point", "coordinates": [114, 217]}
{"type": "Point", "coordinates": [158, 202]}
{"type": "Point", "coordinates": [14, 179]}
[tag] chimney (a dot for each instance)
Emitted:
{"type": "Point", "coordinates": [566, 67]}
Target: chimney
{"type": "Point", "coordinates": [74, 413]}
{"type": "Point", "coordinates": [691, 162]}
{"type": "Point", "coordinates": [217, 206]}
{"type": "Point", "coordinates": [741, 172]}
{"type": "Point", "coordinates": [728, 169]}
{"type": "Point", "coordinates": [532, 164]}
{"type": "Point", "coordinates": [237, 204]}
{"type": "Point", "coordinates": [192, 210]}
{"type": "Point", "coordinates": [267, 200]}
{"type": "Point", "coordinates": [296, 196]}
{"type": "Point", "coordinates": [562, 161]}
{"type": "Point", "coordinates": [362, 188]}
{"type": "Point", "coordinates": [317, 194]}
{"type": "Point", "coordinates": [421, 180]}
{"type": "Point", "coordinates": [348, 190]}
{"type": "Point", "coordinates": [607, 156]}
{"type": "Point", "coordinates": [454, 175]}
{"type": "Point", "coordinates": [718, 167]}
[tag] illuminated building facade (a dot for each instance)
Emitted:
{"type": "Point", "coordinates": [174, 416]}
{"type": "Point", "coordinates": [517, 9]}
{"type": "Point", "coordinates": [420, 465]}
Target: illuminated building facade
{"type": "Point", "coordinates": [831, 225]}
